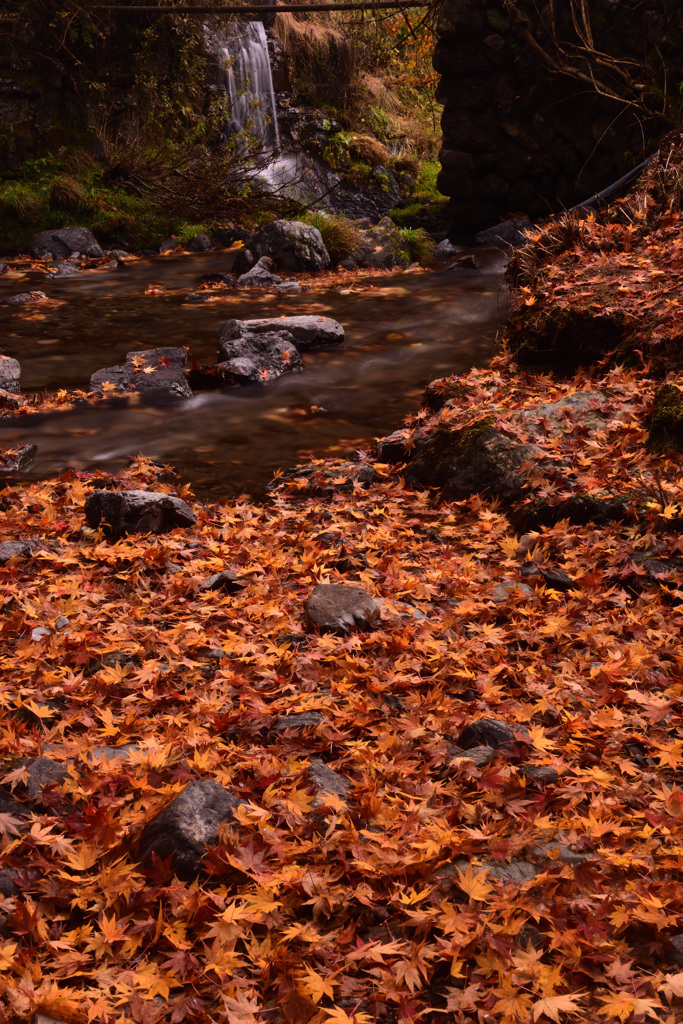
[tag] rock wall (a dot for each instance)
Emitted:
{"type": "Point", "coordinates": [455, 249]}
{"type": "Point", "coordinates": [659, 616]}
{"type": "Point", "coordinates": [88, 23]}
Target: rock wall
{"type": "Point", "coordinates": [518, 137]}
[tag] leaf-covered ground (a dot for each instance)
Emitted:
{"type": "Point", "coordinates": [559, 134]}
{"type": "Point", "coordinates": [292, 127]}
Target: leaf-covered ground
{"type": "Point", "coordinates": [592, 285]}
{"type": "Point", "coordinates": [542, 885]}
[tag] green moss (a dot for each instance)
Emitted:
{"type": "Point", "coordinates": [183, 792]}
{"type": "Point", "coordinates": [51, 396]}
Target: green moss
{"type": "Point", "coordinates": [416, 246]}
{"type": "Point", "coordinates": [666, 420]}
{"type": "Point", "coordinates": [447, 446]}
{"type": "Point", "coordinates": [564, 338]}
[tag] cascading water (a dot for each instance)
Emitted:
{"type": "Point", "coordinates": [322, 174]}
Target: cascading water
{"type": "Point", "coordinates": [242, 49]}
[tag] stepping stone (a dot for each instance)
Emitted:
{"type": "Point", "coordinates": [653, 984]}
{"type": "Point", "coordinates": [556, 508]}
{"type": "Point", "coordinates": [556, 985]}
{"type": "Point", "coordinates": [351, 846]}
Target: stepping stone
{"type": "Point", "coordinates": [339, 608]}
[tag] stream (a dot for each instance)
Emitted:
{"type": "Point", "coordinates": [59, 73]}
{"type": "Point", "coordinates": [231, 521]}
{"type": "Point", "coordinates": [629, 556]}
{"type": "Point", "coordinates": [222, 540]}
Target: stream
{"type": "Point", "coordinates": [402, 332]}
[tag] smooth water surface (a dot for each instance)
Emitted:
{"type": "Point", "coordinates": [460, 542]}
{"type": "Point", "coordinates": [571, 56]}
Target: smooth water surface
{"type": "Point", "coordinates": [401, 333]}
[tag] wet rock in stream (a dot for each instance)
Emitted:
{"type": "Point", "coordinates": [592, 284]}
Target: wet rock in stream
{"type": "Point", "coordinates": [10, 374]}
{"type": "Point", "coordinates": [260, 276]}
{"type": "Point", "coordinates": [307, 332]}
{"type": "Point", "coordinates": [25, 297]}
{"type": "Point", "coordinates": [153, 372]}
{"type": "Point", "coordinates": [247, 357]}
{"type": "Point", "coordinates": [62, 268]}
{"type": "Point", "coordinates": [292, 244]}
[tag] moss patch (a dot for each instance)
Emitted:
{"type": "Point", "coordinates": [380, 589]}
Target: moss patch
{"type": "Point", "coordinates": [666, 420]}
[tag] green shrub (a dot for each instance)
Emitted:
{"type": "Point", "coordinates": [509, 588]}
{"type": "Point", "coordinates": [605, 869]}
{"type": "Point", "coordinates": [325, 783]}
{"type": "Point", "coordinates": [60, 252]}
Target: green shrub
{"type": "Point", "coordinates": [417, 246]}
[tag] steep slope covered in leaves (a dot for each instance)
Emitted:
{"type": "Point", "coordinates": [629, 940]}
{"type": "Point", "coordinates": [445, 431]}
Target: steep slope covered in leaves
{"type": "Point", "coordinates": [437, 878]}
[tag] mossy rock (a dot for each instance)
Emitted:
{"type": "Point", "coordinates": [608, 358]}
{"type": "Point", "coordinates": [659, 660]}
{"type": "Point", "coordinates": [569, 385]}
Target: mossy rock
{"type": "Point", "coordinates": [565, 338]}
{"type": "Point", "coordinates": [473, 460]}
{"type": "Point", "coordinates": [666, 420]}
{"type": "Point", "coordinates": [443, 390]}
{"type": "Point", "coordinates": [579, 510]}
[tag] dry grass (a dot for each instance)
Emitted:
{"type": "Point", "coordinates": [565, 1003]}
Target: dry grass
{"type": "Point", "coordinates": [660, 190]}
{"type": "Point", "coordinates": [66, 193]}
{"type": "Point", "coordinates": [375, 91]}
{"type": "Point", "coordinates": [528, 262]}
{"type": "Point", "coordinates": [311, 34]}
{"type": "Point", "coordinates": [369, 150]}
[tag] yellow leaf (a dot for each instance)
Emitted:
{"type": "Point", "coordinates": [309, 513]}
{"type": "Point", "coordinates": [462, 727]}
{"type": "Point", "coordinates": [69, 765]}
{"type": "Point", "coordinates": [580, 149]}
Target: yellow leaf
{"type": "Point", "coordinates": [316, 987]}
{"type": "Point", "coordinates": [474, 885]}
{"type": "Point", "coordinates": [672, 986]}
{"type": "Point", "coordinates": [82, 858]}
{"type": "Point", "coordinates": [553, 1006]}
{"type": "Point", "coordinates": [338, 1016]}
{"type": "Point", "coordinates": [620, 1006]}
{"type": "Point", "coordinates": [412, 897]}
{"type": "Point", "coordinates": [7, 960]}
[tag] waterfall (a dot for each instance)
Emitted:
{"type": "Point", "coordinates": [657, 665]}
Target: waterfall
{"type": "Point", "coordinates": [245, 75]}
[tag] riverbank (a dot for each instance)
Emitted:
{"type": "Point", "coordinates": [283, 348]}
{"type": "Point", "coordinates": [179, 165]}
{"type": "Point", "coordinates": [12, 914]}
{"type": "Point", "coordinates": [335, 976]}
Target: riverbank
{"type": "Point", "coordinates": [466, 804]}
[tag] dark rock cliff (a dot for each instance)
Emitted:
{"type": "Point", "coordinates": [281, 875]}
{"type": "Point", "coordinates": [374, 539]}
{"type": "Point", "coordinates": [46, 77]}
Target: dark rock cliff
{"type": "Point", "coordinates": [520, 134]}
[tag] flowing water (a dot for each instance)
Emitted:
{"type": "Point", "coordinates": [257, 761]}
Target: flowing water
{"type": "Point", "coordinates": [405, 331]}
{"type": "Point", "coordinates": [245, 75]}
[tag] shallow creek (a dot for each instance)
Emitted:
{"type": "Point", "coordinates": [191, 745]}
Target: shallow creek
{"type": "Point", "coordinates": [401, 333]}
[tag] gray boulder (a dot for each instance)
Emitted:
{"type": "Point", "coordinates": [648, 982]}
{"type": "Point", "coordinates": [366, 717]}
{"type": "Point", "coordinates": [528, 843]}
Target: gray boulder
{"type": "Point", "coordinates": [123, 512]}
{"type": "Point", "coordinates": [508, 234]}
{"type": "Point", "coordinates": [480, 757]}
{"type": "Point", "coordinates": [225, 580]}
{"type": "Point", "coordinates": [379, 247]}
{"type": "Point", "coordinates": [187, 826]}
{"type": "Point", "coordinates": [326, 782]}
{"type": "Point", "coordinates": [155, 371]}
{"type": "Point", "coordinates": [298, 720]}
{"type": "Point", "coordinates": [246, 357]}
{"type": "Point", "coordinates": [510, 589]}
{"type": "Point", "coordinates": [12, 548]}
{"type": "Point", "coordinates": [42, 772]}
{"type": "Point", "coordinates": [339, 608]}
{"type": "Point", "coordinates": [293, 245]}
{"type": "Point", "coordinates": [394, 448]}
{"type": "Point", "coordinates": [445, 250]}
{"type": "Point", "coordinates": [18, 810]}
{"type": "Point", "coordinates": [62, 268]}
{"type": "Point", "coordinates": [62, 243]}
{"type": "Point", "coordinates": [517, 872]}
{"type": "Point", "coordinates": [307, 332]}
{"type": "Point", "coordinates": [542, 774]}
{"type": "Point", "coordinates": [200, 243]}
{"type": "Point", "coordinates": [260, 276]}
{"type": "Point", "coordinates": [486, 732]}
{"type": "Point", "coordinates": [10, 373]}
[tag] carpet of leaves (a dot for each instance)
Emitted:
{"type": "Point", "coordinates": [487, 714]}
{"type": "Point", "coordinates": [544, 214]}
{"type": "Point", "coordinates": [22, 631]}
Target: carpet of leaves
{"type": "Point", "coordinates": [623, 263]}
{"type": "Point", "coordinates": [388, 905]}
